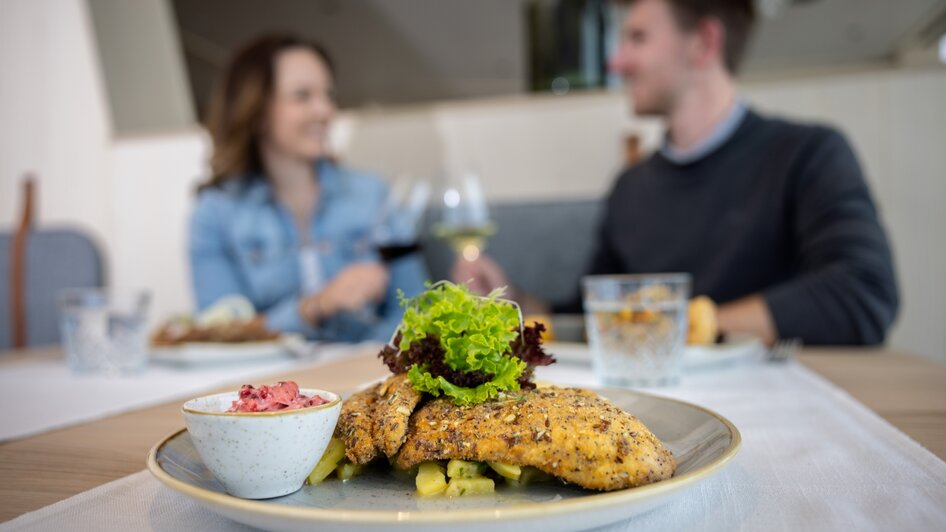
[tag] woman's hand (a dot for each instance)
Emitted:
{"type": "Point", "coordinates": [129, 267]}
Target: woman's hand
{"type": "Point", "coordinates": [354, 288]}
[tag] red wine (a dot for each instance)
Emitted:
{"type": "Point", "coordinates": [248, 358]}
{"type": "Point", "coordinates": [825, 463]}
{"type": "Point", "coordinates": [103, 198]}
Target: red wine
{"type": "Point", "coordinates": [392, 252]}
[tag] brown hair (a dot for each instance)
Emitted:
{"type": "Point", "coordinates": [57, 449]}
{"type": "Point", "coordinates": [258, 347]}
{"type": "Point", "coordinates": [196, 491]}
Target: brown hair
{"type": "Point", "coordinates": [238, 105]}
{"type": "Point", "coordinates": [736, 16]}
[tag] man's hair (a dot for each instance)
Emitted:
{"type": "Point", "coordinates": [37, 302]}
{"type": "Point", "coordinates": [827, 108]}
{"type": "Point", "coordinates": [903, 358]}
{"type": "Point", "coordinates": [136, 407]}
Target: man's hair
{"type": "Point", "coordinates": [736, 16]}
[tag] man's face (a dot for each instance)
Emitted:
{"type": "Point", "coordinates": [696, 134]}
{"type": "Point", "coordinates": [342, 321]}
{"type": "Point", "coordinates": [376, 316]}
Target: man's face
{"type": "Point", "coordinates": [652, 57]}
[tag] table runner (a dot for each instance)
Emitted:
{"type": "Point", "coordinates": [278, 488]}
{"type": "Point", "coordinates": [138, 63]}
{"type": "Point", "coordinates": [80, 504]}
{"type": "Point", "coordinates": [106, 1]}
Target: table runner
{"type": "Point", "coordinates": [813, 458]}
{"type": "Point", "coordinates": [41, 394]}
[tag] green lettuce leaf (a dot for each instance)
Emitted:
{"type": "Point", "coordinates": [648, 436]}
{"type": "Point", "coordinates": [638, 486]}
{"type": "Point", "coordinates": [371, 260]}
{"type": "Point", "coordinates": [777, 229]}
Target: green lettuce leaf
{"type": "Point", "coordinates": [475, 334]}
{"type": "Point", "coordinates": [506, 380]}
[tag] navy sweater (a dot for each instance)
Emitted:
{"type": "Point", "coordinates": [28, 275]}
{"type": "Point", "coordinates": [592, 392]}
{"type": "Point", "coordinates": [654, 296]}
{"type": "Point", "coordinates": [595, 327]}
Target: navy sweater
{"type": "Point", "coordinates": [780, 209]}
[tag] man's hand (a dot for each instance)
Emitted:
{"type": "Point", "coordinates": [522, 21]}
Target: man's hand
{"type": "Point", "coordinates": [483, 275]}
{"type": "Point", "coordinates": [748, 315]}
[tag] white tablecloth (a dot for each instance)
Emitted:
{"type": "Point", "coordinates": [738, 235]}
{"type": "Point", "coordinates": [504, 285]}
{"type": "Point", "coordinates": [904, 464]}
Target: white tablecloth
{"type": "Point", "coordinates": [812, 459]}
{"type": "Point", "coordinates": [41, 394]}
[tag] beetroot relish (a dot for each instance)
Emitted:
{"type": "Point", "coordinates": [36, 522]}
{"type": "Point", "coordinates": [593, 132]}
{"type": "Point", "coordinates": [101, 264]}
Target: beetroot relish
{"type": "Point", "coordinates": [283, 395]}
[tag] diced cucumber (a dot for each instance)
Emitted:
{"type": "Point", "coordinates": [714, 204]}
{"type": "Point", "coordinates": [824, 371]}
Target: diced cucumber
{"type": "Point", "coordinates": [430, 479]}
{"type": "Point", "coordinates": [464, 469]}
{"type": "Point", "coordinates": [529, 475]}
{"type": "Point", "coordinates": [347, 470]}
{"type": "Point", "coordinates": [509, 471]}
{"type": "Point", "coordinates": [469, 486]}
{"type": "Point", "coordinates": [330, 458]}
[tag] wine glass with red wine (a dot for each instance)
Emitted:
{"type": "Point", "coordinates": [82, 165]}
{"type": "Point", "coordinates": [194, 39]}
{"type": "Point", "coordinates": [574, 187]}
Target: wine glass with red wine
{"type": "Point", "coordinates": [396, 231]}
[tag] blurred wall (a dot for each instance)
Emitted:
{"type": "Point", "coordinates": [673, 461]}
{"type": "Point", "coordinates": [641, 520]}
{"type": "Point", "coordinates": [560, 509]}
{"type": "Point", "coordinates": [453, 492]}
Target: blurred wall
{"type": "Point", "coordinates": [525, 148]}
{"type": "Point", "coordinates": [154, 180]}
{"type": "Point", "coordinates": [55, 119]}
{"type": "Point", "coordinates": [386, 51]}
{"type": "Point", "coordinates": [131, 196]}
{"type": "Point", "coordinates": [142, 65]}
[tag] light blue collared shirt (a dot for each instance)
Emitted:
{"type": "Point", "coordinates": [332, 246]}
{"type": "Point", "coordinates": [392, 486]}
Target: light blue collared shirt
{"type": "Point", "coordinates": [723, 131]}
{"type": "Point", "coordinates": [242, 241]}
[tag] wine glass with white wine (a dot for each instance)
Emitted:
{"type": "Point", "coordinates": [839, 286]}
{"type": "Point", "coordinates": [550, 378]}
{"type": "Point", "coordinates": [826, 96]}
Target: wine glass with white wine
{"type": "Point", "coordinates": [464, 221]}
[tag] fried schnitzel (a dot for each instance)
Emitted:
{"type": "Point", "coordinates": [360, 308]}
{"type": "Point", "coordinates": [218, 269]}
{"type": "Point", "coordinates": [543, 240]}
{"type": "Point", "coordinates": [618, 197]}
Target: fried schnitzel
{"type": "Point", "coordinates": [375, 420]}
{"type": "Point", "coordinates": [570, 433]}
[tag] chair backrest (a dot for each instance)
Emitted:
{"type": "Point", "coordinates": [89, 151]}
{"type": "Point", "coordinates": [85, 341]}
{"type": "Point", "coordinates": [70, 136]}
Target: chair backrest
{"type": "Point", "coordinates": [544, 247]}
{"type": "Point", "coordinates": [53, 261]}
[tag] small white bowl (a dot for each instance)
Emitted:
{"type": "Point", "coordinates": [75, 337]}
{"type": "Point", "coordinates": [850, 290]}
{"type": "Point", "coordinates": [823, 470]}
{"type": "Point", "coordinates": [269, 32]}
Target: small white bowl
{"type": "Point", "coordinates": [260, 455]}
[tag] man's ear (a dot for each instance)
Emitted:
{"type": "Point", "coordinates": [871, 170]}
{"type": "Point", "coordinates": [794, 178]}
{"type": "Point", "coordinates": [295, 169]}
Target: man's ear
{"type": "Point", "coordinates": [709, 45]}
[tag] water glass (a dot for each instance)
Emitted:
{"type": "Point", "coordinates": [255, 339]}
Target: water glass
{"type": "Point", "coordinates": [105, 331]}
{"type": "Point", "coordinates": [637, 327]}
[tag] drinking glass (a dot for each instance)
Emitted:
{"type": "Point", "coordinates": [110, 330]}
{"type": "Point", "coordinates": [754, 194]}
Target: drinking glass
{"type": "Point", "coordinates": [395, 232]}
{"type": "Point", "coordinates": [465, 222]}
{"type": "Point", "coordinates": [105, 331]}
{"type": "Point", "coordinates": [637, 327]}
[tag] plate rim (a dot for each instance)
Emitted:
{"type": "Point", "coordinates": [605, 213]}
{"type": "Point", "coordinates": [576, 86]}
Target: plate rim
{"type": "Point", "coordinates": [183, 353]}
{"type": "Point", "coordinates": [744, 346]}
{"type": "Point", "coordinates": [596, 501]}
{"type": "Point", "coordinates": [254, 343]}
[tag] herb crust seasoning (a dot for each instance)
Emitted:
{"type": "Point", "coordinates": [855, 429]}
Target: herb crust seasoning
{"type": "Point", "coordinates": [396, 402]}
{"type": "Point", "coordinates": [356, 426]}
{"type": "Point", "coordinates": [572, 434]}
{"type": "Point", "coordinates": [375, 420]}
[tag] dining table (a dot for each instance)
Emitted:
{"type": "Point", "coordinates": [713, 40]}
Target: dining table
{"type": "Point", "coordinates": [905, 391]}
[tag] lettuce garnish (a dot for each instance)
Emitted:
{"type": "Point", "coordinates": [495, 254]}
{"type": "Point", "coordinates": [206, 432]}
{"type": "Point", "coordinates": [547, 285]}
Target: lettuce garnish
{"type": "Point", "coordinates": [465, 346]}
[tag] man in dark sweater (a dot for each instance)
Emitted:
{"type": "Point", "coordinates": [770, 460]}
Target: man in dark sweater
{"type": "Point", "coordinates": [773, 219]}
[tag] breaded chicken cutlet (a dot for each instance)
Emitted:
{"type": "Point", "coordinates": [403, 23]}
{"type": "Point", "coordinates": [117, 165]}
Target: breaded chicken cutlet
{"type": "Point", "coordinates": [375, 420]}
{"type": "Point", "coordinates": [570, 433]}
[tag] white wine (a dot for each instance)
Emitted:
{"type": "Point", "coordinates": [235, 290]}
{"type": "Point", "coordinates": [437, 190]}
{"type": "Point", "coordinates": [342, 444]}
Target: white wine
{"type": "Point", "coordinates": [467, 241]}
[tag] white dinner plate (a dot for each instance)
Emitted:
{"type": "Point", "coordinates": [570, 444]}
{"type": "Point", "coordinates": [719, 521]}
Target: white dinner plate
{"type": "Point", "coordinates": [203, 353]}
{"type": "Point", "coordinates": [695, 357]}
{"type": "Point", "coordinates": [701, 440]}
{"type": "Point", "coordinates": [698, 357]}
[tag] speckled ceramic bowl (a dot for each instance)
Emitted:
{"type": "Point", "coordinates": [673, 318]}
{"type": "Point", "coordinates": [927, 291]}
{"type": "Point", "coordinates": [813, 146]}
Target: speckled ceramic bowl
{"type": "Point", "coordinates": [263, 454]}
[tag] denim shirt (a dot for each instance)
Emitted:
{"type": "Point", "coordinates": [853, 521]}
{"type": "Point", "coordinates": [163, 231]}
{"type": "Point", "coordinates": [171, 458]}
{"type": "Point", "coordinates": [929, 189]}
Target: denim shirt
{"type": "Point", "coordinates": [243, 242]}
